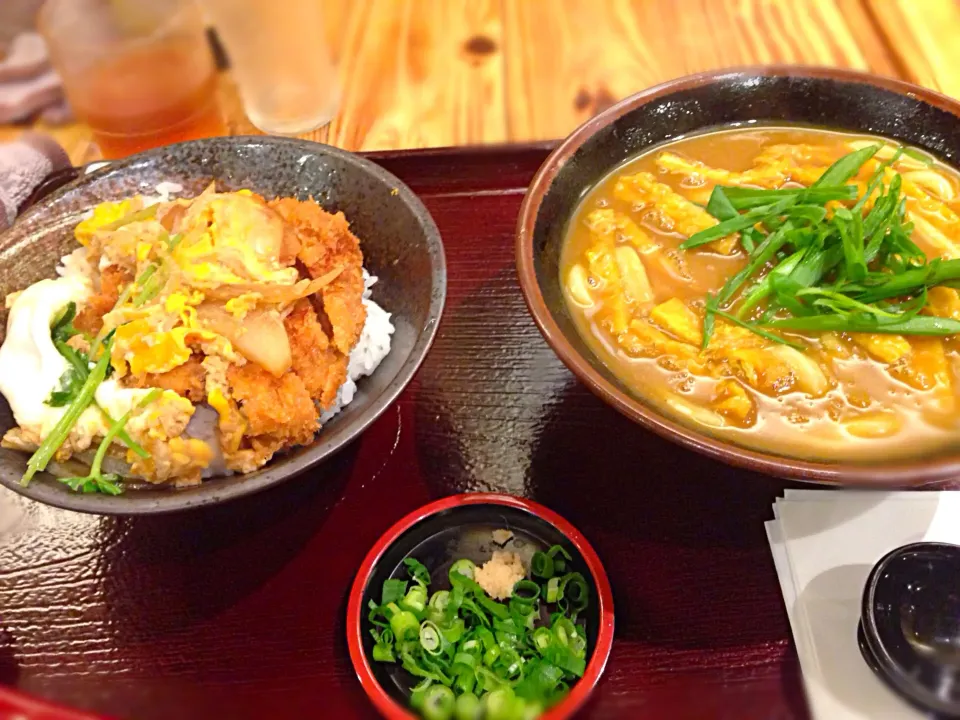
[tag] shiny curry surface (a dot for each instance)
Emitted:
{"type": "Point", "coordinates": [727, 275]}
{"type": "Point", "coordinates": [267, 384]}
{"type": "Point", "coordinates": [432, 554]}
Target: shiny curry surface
{"type": "Point", "coordinates": [638, 302]}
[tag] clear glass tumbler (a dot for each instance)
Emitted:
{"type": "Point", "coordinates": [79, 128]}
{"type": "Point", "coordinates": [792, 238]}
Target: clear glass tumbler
{"type": "Point", "coordinates": [280, 59]}
{"type": "Point", "coordinates": [139, 72]}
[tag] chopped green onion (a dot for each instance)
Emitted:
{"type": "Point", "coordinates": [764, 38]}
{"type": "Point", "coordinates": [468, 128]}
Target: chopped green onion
{"type": "Point", "coordinates": [417, 571]}
{"type": "Point", "coordinates": [564, 630]}
{"type": "Point", "coordinates": [438, 703]}
{"type": "Point", "coordinates": [553, 590]}
{"type": "Point", "coordinates": [466, 681]}
{"type": "Point", "coordinates": [453, 631]}
{"type": "Point", "coordinates": [574, 589]}
{"type": "Point", "coordinates": [430, 638]}
{"type": "Point", "coordinates": [383, 653]}
{"type": "Point", "coordinates": [541, 565]}
{"type": "Point", "coordinates": [542, 639]}
{"type": "Point", "coordinates": [440, 600]}
{"type": "Point", "coordinates": [393, 591]}
{"type": "Point", "coordinates": [526, 591]}
{"type": "Point", "coordinates": [404, 624]}
{"type": "Point", "coordinates": [465, 660]}
{"type": "Point", "coordinates": [468, 707]}
{"type": "Point", "coordinates": [463, 567]}
{"type": "Point", "coordinates": [415, 600]}
{"type": "Point", "coordinates": [559, 563]}
{"type": "Point", "coordinates": [475, 656]}
{"type": "Point", "coordinates": [499, 704]}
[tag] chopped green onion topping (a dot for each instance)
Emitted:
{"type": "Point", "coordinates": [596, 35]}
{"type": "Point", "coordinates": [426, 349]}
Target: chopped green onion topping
{"type": "Point", "coordinates": [816, 268]}
{"type": "Point", "coordinates": [463, 567]}
{"type": "Point", "coordinates": [476, 657]}
{"type": "Point", "coordinates": [541, 565]}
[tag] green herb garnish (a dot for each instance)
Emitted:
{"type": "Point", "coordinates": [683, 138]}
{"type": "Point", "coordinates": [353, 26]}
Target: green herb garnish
{"type": "Point", "coordinates": [72, 380]}
{"type": "Point", "coordinates": [95, 480]}
{"type": "Point", "coordinates": [52, 442]}
{"type": "Point", "coordinates": [62, 328]}
{"type": "Point", "coordinates": [810, 269]}
{"type": "Point", "coordinates": [475, 656]}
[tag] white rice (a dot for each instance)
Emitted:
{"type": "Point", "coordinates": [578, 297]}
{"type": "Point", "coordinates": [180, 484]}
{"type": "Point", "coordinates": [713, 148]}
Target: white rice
{"type": "Point", "coordinates": [165, 191]}
{"type": "Point", "coordinates": [76, 264]}
{"type": "Point", "coordinates": [370, 350]}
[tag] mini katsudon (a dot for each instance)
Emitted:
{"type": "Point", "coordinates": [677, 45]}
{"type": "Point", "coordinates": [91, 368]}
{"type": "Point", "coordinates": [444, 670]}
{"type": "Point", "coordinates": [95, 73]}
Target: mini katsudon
{"type": "Point", "coordinates": [787, 289]}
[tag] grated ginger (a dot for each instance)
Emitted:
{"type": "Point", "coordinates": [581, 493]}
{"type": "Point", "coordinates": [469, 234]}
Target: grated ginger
{"type": "Point", "coordinates": [499, 574]}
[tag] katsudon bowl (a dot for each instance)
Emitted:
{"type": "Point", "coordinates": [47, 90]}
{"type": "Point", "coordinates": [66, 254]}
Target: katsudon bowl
{"type": "Point", "coordinates": [693, 112]}
{"type": "Point", "coordinates": [399, 241]}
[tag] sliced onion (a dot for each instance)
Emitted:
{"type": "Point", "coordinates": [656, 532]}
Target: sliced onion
{"type": "Point", "coordinates": [272, 292]}
{"type": "Point", "coordinates": [260, 336]}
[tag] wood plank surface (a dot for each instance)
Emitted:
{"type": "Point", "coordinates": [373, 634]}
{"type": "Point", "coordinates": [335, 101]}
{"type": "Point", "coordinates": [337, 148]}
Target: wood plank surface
{"type": "Point", "coordinates": [924, 35]}
{"type": "Point", "coordinates": [419, 74]}
{"type": "Point", "coordinates": [565, 66]}
{"type": "Point", "coordinates": [429, 73]}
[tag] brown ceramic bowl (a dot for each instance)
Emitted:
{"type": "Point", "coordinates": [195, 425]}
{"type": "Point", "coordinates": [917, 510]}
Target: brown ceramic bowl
{"type": "Point", "coordinates": [401, 246]}
{"type": "Point", "coordinates": [838, 99]}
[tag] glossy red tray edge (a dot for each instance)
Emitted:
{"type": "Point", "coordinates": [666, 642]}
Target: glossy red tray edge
{"type": "Point", "coordinates": [17, 706]}
{"type": "Point", "coordinates": [388, 707]}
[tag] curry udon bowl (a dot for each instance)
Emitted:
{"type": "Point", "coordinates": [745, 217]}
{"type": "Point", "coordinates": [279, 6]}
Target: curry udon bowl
{"type": "Point", "coordinates": [780, 100]}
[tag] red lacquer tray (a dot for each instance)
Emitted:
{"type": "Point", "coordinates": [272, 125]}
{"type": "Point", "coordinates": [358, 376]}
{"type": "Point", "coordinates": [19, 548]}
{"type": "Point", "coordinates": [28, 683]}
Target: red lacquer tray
{"type": "Point", "coordinates": [238, 611]}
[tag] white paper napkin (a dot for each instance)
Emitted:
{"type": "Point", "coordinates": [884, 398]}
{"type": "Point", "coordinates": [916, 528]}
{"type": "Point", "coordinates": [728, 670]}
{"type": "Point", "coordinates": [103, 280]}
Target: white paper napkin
{"type": "Point", "coordinates": [824, 544]}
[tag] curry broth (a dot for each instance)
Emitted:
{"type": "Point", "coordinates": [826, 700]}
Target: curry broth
{"type": "Point", "coordinates": [869, 410]}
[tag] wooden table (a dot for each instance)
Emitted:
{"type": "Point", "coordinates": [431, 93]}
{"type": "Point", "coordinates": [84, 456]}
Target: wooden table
{"type": "Point", "coordinates": [431, 73]}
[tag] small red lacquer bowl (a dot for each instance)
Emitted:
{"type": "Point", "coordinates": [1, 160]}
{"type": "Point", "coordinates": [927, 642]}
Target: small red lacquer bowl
{"type": "Point", "coordinates": [461, 526]}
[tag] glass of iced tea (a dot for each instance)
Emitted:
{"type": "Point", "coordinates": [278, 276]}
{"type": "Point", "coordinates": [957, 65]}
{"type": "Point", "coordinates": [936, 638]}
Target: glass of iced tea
{"type": "Point", "coordinates": [140, 73]}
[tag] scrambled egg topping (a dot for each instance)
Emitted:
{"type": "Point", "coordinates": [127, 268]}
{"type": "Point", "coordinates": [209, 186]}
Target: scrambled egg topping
{"type": "Point", "coordinates": [223, 241]}
{"type": "Point", "coordinates": [103, 214]}
{"type": "Point", "coordinates": [231, 239]}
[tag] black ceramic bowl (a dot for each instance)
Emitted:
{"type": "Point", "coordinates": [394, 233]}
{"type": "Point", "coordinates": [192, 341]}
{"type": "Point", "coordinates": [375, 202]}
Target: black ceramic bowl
{"type": "Point", "coordinates": [909, 630]}
{"type": "Point", "coordinates": [822, 97]}
{"type": "Point", "coordinates": [461, 527]}
{"type": "Point", "coordinates": [400, 243]}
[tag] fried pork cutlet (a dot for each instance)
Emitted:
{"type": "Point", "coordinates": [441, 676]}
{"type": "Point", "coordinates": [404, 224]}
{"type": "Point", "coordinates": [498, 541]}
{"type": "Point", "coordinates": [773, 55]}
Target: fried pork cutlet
{"type": "Point", "coordinates": [276, 409]}
{"type": "Point", "coordinates": [326, 243]}
{"type": "Point", "coordinates": [321, 366]}
{"type": "Point", "coordinates": [90, 318]}
{"type": "Point", "coordinates": [187, 380]}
